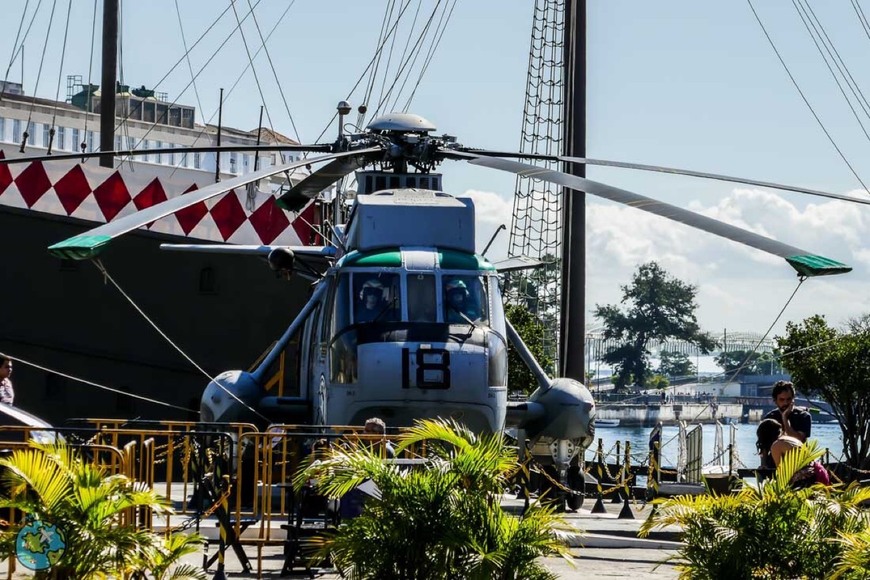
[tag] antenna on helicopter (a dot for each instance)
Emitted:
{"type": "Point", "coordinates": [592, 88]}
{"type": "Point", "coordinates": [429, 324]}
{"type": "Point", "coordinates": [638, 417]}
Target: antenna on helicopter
{"type": "Point", "coordinates": [343, 110]}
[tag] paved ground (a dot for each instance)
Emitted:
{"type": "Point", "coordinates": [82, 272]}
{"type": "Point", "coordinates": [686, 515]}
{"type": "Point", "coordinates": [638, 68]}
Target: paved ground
{"type": "Point", "coordinates": [608, 548]}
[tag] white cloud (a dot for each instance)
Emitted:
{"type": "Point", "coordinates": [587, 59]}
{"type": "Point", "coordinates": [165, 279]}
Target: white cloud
{"type": "Point", "coordinates": [491, 210]}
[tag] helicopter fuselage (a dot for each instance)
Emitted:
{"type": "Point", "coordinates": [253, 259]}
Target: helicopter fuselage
{"type": "Point", "coordinates": [417, 356]}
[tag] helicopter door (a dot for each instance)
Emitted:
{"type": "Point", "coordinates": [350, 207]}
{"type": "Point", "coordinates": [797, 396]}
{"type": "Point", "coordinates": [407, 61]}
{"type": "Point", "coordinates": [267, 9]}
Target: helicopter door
{"type": "Point", "coordinates": [309, 352]}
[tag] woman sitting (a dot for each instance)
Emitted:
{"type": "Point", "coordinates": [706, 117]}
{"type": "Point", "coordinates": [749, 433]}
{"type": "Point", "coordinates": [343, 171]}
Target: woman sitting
{"type": "Point", "coordinates": [772, 446]}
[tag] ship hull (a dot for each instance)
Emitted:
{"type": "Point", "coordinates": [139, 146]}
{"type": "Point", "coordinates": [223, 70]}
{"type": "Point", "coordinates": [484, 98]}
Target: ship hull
{"type": "Point", "coordinates": [222, 310]}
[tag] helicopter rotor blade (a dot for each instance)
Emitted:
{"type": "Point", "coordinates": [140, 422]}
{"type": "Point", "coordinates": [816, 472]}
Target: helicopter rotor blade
{"type": "Point", "coordinates": [92, 242]}
{"type": "Point", "coordinates": [301, 193]}
{"type": "Point", "coordinates": [804, 262]}
{"type": "Point", "coordinates": [670, 170]}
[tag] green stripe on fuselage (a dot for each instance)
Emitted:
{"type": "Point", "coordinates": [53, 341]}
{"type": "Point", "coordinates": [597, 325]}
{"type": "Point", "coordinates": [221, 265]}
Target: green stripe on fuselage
{"type": "Point", "coordinates": [392, 258]}
{"type": "Point", "coordinates": [79, 247]}
{"type": "Point", "coordinates": [453, 260]}
{"type": "Point", "coordinates": [386, 258]}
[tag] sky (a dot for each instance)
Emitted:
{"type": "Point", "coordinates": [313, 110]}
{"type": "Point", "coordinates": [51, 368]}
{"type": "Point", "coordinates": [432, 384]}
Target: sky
{"type": "Point", "coordinates": [680, 83]}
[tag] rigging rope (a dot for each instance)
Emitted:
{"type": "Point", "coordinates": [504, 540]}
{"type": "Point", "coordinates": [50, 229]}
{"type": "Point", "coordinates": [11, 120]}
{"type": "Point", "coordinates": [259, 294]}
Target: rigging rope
{"type": "Point", "coordinates": [187, 57]}
{"type": "Point", "coordinates": [39, 73]}
{"type": "Point", "coordinates": [390, 55]}
{"type": "Point", "coordinates": [804, 98]}
{"type": "Point", "coordinates": [90, 69]}
{"type": "Point", "coordinates": [15, 48]}
{"type": "Point", "coordinates": [439, 33]}
{"type": "Point", "coordinates": [362, 76]}
{"type": "Point", "coordinates": [862, 18]}
{"type": "Point", "coordinates": [432, 44]}
{"type": "Point", "coordinates": [235, 84]}
{"type": "Point", "coordinates": [272, 66]}
{"type": "Point", "coordinates": [60, 72]}
{"type": "Point", "coordinates": [99, 264]}
{"type": "Point", "coordinates": [370, 85]}
{"type": "Point", "coordinates": [813, 29]}
{"type": "Point", "coordinates": [857, 89]}
{"type": "Point", "coordinates": [251, 61]}
{"type": "Point", "coordinates": [99, 386]}
{"type": "Point", "coordinates": [180, 60]}
{"type": "Point", "coordinates": [414, 51]}
{"type": "Point", "coordinates": [201, 70]}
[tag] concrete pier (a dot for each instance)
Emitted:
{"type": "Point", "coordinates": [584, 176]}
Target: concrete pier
{"type": "Point", "coordinates": [649, 414]}
{"type": "Point", "coordinates": [602, 546]}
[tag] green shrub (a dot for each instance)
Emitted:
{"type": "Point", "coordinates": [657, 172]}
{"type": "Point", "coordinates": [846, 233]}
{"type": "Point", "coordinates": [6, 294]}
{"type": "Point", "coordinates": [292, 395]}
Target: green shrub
{"type": "Point", "coordinates": [441, 521]}
{"type": "Point", "coordinates": [771, 530]}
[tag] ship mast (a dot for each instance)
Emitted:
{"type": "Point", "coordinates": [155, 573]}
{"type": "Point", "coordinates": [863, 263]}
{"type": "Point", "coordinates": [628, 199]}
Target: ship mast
{"type": "Point", "coordinates": [572, 329]}
{"type": "Point", "coordinates": [107, 93]}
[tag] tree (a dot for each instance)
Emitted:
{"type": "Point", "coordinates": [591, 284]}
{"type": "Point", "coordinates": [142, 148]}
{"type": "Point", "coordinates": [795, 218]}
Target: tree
{"type": "Point", "coordinates": [660, 307]}
{"type": "Point", "coordinates": [771, 530]}
{"type": "Point", "coordinates": [747, 362]}
{"type": "Point", "coordinates": [531, 330]}
{"type": "Point", "coordinates": [834, 364]}
{"type": "Point", "coordinates": [675, 364]}
{"type": "Point", "coordinates": [440, 521]}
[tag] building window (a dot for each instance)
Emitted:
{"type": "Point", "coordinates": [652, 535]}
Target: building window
{"type": "Point", "coordinates": [46, 135]}
{"type": "Point", "coordinates": [197, 161]}
{"type": "Point", "coordinates": [16, 130]}
{"type": "Point", "coordinates": [90, 141]}
{"type": "Point", "coordinates": [131, 143]}
{"type": "Point", "coordinates": [159, 145]}
{"type": "Point", "coordinates": [76, 139]}
{"type": "Point", "coordinates": [61, 138]}
{"type": "Point", "coordinates": [31, 133]}
{"type": "Point", "coordinates": [117, 142]}
{"type": "Point", "coordinates": [234, 163]}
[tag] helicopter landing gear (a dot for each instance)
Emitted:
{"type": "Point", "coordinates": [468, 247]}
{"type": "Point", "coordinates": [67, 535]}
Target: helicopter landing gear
{"type": "Point", "coordinates": [577, 485]}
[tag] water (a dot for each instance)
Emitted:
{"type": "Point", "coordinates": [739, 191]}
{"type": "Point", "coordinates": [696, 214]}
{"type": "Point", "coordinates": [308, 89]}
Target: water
{"type": "Point", "coordinates": [828, 435]}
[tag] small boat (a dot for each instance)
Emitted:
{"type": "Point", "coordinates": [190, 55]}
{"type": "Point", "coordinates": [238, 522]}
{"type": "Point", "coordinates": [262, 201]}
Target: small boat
{"type": "Point", "coordinates": [607, 422]}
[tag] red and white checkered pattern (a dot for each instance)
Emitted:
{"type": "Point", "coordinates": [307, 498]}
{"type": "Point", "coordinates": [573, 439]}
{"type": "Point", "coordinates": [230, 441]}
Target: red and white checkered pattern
{"type": "Point", "coordinates": [99, 194]}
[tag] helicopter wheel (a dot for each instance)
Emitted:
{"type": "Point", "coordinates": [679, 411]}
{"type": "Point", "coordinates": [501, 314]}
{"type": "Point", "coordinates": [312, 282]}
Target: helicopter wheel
{"type": "Point", "coordinates": [577, 484]}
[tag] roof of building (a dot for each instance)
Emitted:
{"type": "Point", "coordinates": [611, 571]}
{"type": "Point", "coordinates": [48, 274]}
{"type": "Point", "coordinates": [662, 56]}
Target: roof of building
{"type": "Point", "coordinates": [27, 100]}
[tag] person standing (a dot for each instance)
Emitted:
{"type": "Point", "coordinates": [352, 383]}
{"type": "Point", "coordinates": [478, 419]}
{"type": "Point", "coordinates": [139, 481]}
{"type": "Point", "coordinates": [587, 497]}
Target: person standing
{"type": "Point", "coordinates": [7, 393]}
{"type": "Point", "coordinates": [795, 421]}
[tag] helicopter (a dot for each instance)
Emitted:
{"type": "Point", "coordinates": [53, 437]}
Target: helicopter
{"type": "Point", "coordinates": [436, 343]}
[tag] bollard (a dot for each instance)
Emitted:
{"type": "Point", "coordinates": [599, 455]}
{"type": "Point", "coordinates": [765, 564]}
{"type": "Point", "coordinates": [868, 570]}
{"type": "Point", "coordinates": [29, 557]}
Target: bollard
{"type": "Point", "coordinates": [625, 513]}
{"type": "Point", "coordinates": [616, 494]}
{"type": "Point", "coordinates": [598, 508]}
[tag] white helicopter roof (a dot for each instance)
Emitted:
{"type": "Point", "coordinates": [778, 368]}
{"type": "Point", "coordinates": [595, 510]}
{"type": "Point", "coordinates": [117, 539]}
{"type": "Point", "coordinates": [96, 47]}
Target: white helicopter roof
{"type": "Point", "coordinates": [411, 217]}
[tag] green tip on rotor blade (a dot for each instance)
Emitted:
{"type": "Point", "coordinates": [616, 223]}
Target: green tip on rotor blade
{"type": "Point", "coordinates": [79, 247]}
{"type": "Point", "coordinates": [810, 265]}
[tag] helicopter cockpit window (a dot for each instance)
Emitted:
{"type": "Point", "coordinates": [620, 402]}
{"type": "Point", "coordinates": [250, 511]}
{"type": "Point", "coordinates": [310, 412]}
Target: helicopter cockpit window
{"type": "Point", "coordinates": [422, 298]}
{"type": "Point", "coordinates": [341, 309]}
{"type": "Point", "coordinates": [377, 297]}
{"type": "Point", "coordinates": [465, 299]}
